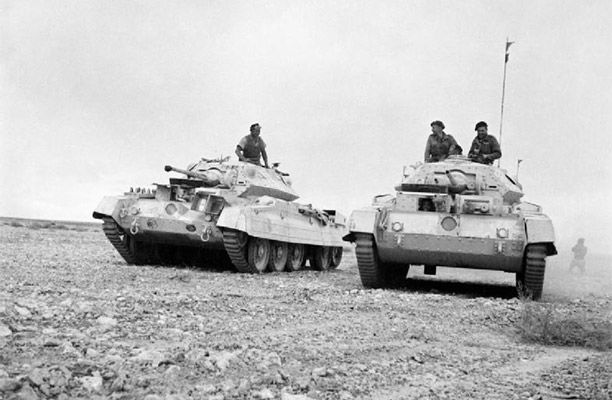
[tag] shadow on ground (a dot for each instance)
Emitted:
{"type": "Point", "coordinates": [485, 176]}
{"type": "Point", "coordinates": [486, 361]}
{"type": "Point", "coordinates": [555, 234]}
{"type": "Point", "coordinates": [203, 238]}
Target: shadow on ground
{"type": "Point", "coordinates": [465, 289]}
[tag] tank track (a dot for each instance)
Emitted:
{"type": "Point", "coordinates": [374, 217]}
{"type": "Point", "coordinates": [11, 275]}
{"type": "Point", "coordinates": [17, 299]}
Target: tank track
{"type": "Point", "coordinates": [236, 247]}
{"type": "Point", "coordinates": [369, 267]}
{"type": "Point", "coordinates": [535, 266]}
{"type": "Point", "coordinates": [374, 273]}
{"type": "Point", "coordinates": [236, 250]}
{"type": "Point", "coordinates": [119, 240]}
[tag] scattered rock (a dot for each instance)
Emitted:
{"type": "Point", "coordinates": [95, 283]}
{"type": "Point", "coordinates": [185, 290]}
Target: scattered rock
{"type": "Point", "coordinates": [92, 353]}
{"type": "Point", "coordinates": [52, 342]}
{"type": "Point", "coordinates": [264, 394]}
{"type": "Point", "coordinates": [23, 312]}
{"type": "Point", "coordinates": [9, 385]}
{"type": "Point", "coordinates": [106, 323]}
{"type": "Point", "coordinates": [120, 383]}
{"type": "Point", "coordinates": [92, 383]}
{"type": "Point", "coordinates": [206, 389]}
{"type": "Point", "coordinates": [320, 371]}
{"type": "Point", "coordinates": [152, 357]}
{"type": "Point", "coordinates": [289, 396]}
{"type": "Point", "coordinates": [175, 397]}
{"type": "Point", "coordinates": [68, 348]}
{"type": "Point", "coordinates": [222, 359]}
{"type": "Point", "coordinates": [303, 383]}
{"type": "Point", "coordinates": [26, 393]}
{"type": "Point", "coordinates": [38, 375]}
{"type": "Point", "coordinates": [172, 371]}
{"type": "Point", "coordinates": [5, 330]}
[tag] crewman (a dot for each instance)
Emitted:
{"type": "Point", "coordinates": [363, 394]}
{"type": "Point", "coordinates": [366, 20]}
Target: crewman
{"type": "Point", "coordinates": [439, 144]}
{"type": "Point", "coordinates": [252, 147]}
{"type": "Point", "coordinates": [485, 148]}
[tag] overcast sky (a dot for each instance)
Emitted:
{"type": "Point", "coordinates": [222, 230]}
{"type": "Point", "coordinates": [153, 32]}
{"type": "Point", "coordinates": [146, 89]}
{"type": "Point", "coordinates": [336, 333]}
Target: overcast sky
{"type": "Point", "coordinates": [97, 96]}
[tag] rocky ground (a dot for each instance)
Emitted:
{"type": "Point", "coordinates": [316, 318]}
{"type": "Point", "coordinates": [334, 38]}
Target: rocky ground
{"type": "Point", "coordinates": [76, 322]}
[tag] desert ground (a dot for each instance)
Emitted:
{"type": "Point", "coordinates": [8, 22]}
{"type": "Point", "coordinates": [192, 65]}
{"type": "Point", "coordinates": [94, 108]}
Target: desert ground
{"type": "Point", "coordinates": [76, 322]}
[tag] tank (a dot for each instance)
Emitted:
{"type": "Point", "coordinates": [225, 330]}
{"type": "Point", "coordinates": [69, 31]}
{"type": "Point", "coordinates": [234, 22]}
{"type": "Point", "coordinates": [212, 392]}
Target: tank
{"type": "Point", "coordinates": [454, 213]}
{"type": "Point", "coordinates": [240, 215]}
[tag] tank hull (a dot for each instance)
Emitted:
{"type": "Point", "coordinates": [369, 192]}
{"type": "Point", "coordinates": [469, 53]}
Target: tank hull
{"type": "Point", "coordinates": [205, 222]}
{"type": "Point", "coordinates": [420, 238]}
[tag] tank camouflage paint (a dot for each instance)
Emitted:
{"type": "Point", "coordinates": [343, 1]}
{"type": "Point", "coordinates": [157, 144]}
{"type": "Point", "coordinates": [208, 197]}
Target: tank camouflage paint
{"type": "Point", "coordinates": [454, 213]}
{"type": "Point", "coordinates": [237, 214]}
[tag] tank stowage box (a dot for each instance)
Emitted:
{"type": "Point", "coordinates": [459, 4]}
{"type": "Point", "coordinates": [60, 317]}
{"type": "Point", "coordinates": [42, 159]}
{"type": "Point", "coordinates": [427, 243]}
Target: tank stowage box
{"type": "Point", "coordinates": [454, 213]}
{"type": "Point", "coordinates": [237, 214]}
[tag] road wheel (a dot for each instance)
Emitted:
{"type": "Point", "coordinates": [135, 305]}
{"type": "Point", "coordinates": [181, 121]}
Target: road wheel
{"type": "Point", "coordinates": [530, 282]}
{"type": "Point", "coordinates": [336, 257]}
{"type": "Point", "coordinates": [296, 256]}
{"type": "Point", "coordinates": [278, 256]}
{"type": "Point", "coordinates": [320, 258]}
{"type": "Point", "coordinates": [258, 254]}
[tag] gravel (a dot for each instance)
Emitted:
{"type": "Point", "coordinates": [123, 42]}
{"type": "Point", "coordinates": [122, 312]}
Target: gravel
{"type": "Point", "coordinates": [77, 322]}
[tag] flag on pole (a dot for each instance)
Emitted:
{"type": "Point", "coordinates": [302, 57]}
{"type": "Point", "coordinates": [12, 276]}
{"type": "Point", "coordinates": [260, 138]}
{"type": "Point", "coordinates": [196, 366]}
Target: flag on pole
{"type": "Point", "coordinates": [508, 44]}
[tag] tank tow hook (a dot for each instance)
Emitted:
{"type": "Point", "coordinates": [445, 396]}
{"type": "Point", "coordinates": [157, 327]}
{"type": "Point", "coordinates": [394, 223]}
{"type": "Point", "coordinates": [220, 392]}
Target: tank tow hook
{"type": "Point", "coordinates": [134, 228]}
{"type": "Point", "coordinates": [205, 236]}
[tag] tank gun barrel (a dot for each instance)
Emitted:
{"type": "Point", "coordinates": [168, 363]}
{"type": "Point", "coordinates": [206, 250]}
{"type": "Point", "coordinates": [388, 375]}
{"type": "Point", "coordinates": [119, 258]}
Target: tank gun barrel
{"type": "Point", "coordinates": [190, 174]}
{"type": "Point", "coordinates": [202, 177]}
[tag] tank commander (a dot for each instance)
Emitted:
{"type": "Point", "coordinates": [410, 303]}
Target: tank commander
{"type": "Point", "coordinates": [485, 148]}
{"type": "Point", "coordinates": [252, 147]}
{"type": "Point", "coordinates": [579, 251]}
{"type": "Point", "coordinates": [439, 144]}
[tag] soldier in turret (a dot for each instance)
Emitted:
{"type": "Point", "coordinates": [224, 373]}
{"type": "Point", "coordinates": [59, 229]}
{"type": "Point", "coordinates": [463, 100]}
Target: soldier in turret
{"type": "Point", "coordinates": [252, 148]}
{"type": "Point", "coordinates": [485, 148]}
{"type": "Point", "coordinates": [439, 144]}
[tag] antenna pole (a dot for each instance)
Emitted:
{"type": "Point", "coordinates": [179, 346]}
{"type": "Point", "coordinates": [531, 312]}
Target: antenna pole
{"type": "Point", "coordinates": [501, 118]}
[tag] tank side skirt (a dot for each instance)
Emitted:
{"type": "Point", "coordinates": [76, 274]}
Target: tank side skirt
{"type": "Point", "coordinates": [296, 229]}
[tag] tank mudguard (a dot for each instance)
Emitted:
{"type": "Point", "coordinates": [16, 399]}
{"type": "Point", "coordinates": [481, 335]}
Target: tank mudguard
{"type": "Point", "coordinates": [232, 217]}
{"type": "Point", "coordinates": [106, 207]}
{"type": "Point", "coordinates": [539, 229]}
{"type": "Point", "coordinates": [362, 221]}
{"type": "Point", "coordinates": [281, 221]}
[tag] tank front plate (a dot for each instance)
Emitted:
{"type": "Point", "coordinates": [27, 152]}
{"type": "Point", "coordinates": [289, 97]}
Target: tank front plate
{"type": "Point", "coordinates": [483, 253]}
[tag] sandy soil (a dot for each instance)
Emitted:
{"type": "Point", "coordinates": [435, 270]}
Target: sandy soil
{"type": "Point", "coordinates": [77, 322]}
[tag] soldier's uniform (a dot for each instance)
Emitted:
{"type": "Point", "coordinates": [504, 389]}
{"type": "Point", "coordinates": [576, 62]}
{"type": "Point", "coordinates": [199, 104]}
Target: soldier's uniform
{"type": "Point", "coordinates": [579, 251]}
{"type": "Point", "coordinates": [487, 146]}
{"type": "Point", "coordinates": [251, 148]}
{"type": "Point", "coordinates": [440, 148]}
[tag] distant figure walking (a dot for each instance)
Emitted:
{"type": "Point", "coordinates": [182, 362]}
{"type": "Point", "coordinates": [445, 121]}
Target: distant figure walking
{"type": "Point", "coordinates": [579, 251]}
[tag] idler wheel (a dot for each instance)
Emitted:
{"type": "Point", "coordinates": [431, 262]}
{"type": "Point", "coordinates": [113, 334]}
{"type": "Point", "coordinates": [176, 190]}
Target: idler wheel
{"type": "Point", "coordinates": [296, 257]}
{"type": "Point", "coordinates": [336, 257]}
{"type": "Point", "coordinates": [320, 258]}
{"type": "Point", "coordinates": [279, 252]}
{"type": "Point", "coordinates": [258, 254]}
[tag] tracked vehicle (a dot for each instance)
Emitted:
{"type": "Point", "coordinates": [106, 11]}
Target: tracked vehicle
{"type": "Point", "coordinates": [222, 213]}
{"type": "Point", "coordinates": [454, 213]}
